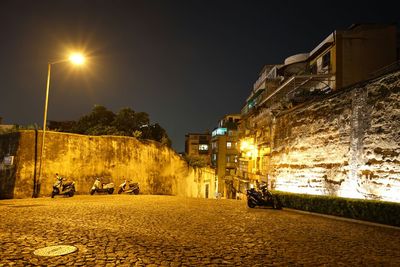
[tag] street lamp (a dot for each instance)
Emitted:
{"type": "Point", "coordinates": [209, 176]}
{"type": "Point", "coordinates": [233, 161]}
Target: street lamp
{"type": "Point", "coordinates": [76, 59]}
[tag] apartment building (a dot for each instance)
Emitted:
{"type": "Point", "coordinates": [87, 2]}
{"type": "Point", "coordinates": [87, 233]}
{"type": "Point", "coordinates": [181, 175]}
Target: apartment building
{"type": "Point", "coordinates": [343, 58]}
{"type": "Point", "coordinates": [225, 152]}
{"type": "Point", "coordinates": [199, 145]}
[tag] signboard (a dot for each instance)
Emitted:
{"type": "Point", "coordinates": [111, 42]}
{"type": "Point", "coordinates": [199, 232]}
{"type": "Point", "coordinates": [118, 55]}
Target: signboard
{"type": "Point", "coordinates": [8, 160]}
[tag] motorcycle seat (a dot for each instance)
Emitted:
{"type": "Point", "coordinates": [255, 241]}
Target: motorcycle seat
{"type": "Point", "coordinates": [68, 184]}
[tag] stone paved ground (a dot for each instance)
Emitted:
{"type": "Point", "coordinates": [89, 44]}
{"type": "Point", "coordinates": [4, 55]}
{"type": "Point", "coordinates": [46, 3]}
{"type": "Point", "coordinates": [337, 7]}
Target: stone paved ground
{"type": "Point", "coordinates": [124, 230]}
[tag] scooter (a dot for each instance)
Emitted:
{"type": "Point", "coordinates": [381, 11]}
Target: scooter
{"type": "Point", "coordinates": [262, 197]}
{"type": "Point", "coordinates": [63, 188]}
{"type": "Point", "coordinates": [100, 187]}
{"type": "Point", "coordinates": [129, 188]}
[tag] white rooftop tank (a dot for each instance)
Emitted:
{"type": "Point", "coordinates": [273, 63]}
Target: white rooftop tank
{"type": "Point", "coordinates": [296, 58]}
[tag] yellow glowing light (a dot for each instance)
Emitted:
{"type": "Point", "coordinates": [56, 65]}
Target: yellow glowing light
{"type": "Point", "coordinates": [247, 144]}
{"type": "Point", "coordinates": [77, 59]}
{"type": "Point", "coordinates": [254, 152]}
{"type": "Point", "coordinates": [244, 145]}
{"type": "Point", "coordinates": [248, 148]}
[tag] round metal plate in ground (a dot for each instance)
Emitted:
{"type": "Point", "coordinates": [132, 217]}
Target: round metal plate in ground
{"type": "Point", "coordinates": [55, 250]}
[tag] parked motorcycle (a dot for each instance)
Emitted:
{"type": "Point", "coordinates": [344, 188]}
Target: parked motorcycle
{"type": "Point", "coordinates": [100, 187]}
{"type": "Point", "coordinates": [129, 188]}
{"type": "Point", "coordinates": [262, 197]}
{"type": "Point", "coordinates": [63, 188]}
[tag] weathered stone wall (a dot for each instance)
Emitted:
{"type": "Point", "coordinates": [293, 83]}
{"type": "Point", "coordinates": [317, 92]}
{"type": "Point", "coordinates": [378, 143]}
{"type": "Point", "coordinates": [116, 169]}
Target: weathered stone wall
{"type": "Point", "coordinates": [9, 145]}
{"type": "Point", "coordinates": [347, 144]}
{"type": "Point", "coordinates": [158, 169]}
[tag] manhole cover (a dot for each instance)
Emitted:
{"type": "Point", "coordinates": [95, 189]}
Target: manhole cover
{"type": "Point", "coordinates": [55, 250]}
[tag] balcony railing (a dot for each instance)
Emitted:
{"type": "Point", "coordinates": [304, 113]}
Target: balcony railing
{"type": "Point", "coordinates": [299, 84]}
{"type": "Point", "coordinates": [231, 165]}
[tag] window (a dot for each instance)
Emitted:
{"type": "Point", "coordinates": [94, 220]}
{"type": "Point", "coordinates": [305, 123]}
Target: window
{"type": "Point", "coordinates": [326, 60]}
{"type": "Point", "coordinates": [228, 145]}
{"type": "Point", "coordinates": [203, 147]}
{"type": "Point", "coordinates": [219, 131]}
{"type": "Point", "coordinates": [313, 68]}
{"type": "Point", "coordinates": [203, 138]}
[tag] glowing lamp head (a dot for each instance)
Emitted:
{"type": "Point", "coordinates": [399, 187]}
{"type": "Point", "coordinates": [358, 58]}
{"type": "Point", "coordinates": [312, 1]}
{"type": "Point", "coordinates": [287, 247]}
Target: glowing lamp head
{"type": "Point", "coordinates": [244, 145]}
{"type": "Point", "coordinates": [77, 59]}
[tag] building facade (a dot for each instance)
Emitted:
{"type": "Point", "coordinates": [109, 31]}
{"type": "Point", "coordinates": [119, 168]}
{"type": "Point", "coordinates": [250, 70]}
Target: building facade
{"type": "Point", "coordinates": [224, 157]}
{"type": "Point", "coordinates": [343, 58]}
{"type": "Point", "coordinates": [199, 145]}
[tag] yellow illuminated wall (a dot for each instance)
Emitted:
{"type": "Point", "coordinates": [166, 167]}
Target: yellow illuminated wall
{"type": "Point", "coordinates": [347, 145]}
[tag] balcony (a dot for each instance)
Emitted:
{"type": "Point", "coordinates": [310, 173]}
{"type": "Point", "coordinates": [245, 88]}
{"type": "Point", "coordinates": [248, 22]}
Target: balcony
{"type": "Point", "coordinates": [298, 88]}
{"type": "Point", "coordinates": [269, 73]}
{"type": "Point", "coordinates": [230, 165]}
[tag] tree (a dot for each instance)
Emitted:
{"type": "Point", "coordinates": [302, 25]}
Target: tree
{"type": "Point", "coordinates": [157, 133]}
{"type": "Point", "coordinates": [195, 161]}
{"type": "Point", "coordinates": [96, 123]}
{"type": "Point", "coordinates": [127, 122]}
{"type": "Point", "coordinates": [124, 121]}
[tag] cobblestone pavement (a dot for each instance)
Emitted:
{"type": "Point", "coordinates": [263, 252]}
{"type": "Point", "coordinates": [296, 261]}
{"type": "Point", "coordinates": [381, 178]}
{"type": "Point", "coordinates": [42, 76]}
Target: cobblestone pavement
{"type": "Point", "coordinates": [124, 230]}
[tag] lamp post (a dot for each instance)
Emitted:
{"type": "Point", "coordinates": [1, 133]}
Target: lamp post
{"type": "Point", "coordinates": [76, 59]}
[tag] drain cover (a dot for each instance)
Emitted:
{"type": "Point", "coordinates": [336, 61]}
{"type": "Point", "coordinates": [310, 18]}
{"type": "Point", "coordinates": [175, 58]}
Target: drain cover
{"type": "Point", "coordinates": [55, 250]}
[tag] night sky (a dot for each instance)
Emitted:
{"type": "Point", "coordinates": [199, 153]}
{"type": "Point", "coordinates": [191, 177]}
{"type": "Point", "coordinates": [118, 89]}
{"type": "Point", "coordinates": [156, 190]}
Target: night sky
{"type": "Point", "coordinates": [186, 63]}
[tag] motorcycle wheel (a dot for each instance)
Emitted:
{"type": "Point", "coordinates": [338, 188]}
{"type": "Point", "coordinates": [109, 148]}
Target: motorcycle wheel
{"type": "Point", "coordinates": [136, 191]}
{"type": "Point", "coordinates": [71, 193]}
{"type": "Point", "coordinates": [54, 192]}
{"type": "Point", "coordinates": [110, 190]}
{"type": "Point", "coordinates": [92, 191]}
{"type": "Point", "coordinates": [120, 191]}
{"type": "Point", "coordinates": [250, 204]}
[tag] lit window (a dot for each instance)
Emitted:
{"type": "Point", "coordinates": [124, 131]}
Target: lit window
{"type": "Point", "coordinates": [203, 147]}
{"type": "Point", "coordinates": [228, 144]}
{"type": "Point", "coordinates": [219, 131]}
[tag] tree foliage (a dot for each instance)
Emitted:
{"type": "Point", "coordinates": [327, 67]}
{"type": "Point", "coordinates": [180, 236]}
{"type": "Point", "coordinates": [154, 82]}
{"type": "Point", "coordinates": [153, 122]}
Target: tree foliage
{"type": "Point", "coordinates": [127, 122]}
{"type": "Point", "coordinates": [98, 122]}
{"type": "Point", "coordinates": [195, 161]}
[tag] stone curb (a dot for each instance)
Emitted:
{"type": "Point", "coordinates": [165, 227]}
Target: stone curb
{"type": "Point", "coordinates": [344, 219]}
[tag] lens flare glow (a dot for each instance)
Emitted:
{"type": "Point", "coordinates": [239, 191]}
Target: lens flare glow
{"type": "Point", "coordinates": [77, 59]}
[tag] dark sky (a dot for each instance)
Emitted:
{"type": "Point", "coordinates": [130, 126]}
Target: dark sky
{"type": "Point", "coordinates": [186, 63]}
